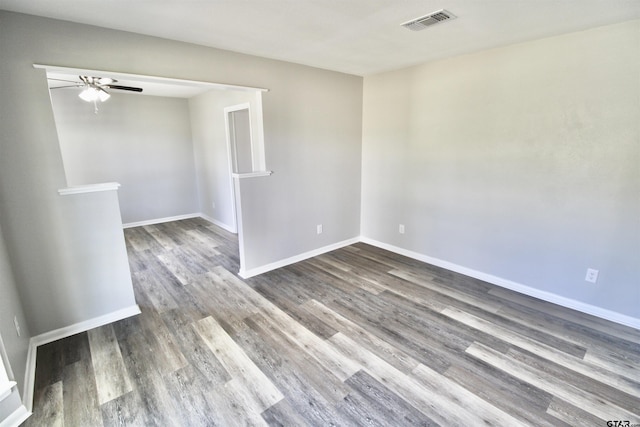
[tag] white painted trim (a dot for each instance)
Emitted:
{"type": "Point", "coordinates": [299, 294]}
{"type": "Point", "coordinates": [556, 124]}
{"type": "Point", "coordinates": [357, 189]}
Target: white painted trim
{"type": "Point", "coordinates": [91, 188]}
{"type": "Point", "coordinates": [514, 286]}
{"type": "Point", "coordinates": [142, 77]}
{"type": "Point", "coordinates": [237, 202]}
{"type": "Point", "coordinates": [178, 218]}
{"type": "Point", "coordinates": [251, 174]}
{"type": "Point", "coordinates": [5, 389]}
{"type": "Point", "coordinates": [234, 200]}
{"type": "Point", "coordinates": [252, 145]}
{"type": "Point", "coordinates": [85, 325]}
{"type": "Point", "coordinates": [256, 137]}
{"type": "Point", "coordinates": [16, 418]}
{"type": "Point", "coordinates": [260, 156]}
{"type": "Point", "coordinates": [30, 376]}
{"type": "Point", "coordinates": [161, 220]}
{"type": "Point", "coordinates": [218, 223]}
{"type": "Point", "coordinates": [57, 334]}
{"type": "Point", "coordinates": [245, 274]}
{"type": "Point", "coordinates": [6, 383]}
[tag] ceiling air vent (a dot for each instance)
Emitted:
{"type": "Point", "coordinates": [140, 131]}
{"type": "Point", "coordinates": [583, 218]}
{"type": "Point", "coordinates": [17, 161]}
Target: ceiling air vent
{"type": "Point", "coordinates": [428, 20]}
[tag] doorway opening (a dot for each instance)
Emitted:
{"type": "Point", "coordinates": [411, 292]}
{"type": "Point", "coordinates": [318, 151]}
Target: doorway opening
{"type": "Point", "coordinates": [161, 145]}
{"type": "Point", "coordinates": [238, 125]}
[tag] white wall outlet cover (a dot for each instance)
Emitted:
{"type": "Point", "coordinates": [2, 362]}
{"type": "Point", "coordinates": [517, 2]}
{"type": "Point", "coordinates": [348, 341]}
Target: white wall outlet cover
{"type": "Point", "coordinates": [592, 275]}
{"type": "Point", "coordinates": [319, 228]}
{"type": "Point", "coordinates": [401, 228]}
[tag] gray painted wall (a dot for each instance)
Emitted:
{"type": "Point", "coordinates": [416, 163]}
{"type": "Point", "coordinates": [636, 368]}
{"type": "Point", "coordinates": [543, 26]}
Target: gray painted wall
{"type": "Point", "coordinates": [98, 280]}
{"type": "Point", "coordinates": [10, 306]}
{"type": "Point", "coordinates": [210, 151]}
{"type": "Point", "coordinates": [142, 142]}
{"type": "Point", "coordinates": [313, 128]}
{"type": "Point", "coordinates": [522, 162]}
{"type": "Point", "coordinates": [313, 134]}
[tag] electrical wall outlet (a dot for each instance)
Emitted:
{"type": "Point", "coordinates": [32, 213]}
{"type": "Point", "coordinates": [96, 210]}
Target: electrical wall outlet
{"type": "Point", "coordinates": [592, 275]}
{"type": "Point", "coordinates": [319, 228]}
{"type": "Point", "coordinates": [401, 229]}
{"type": "Point", "coordinates": [213, 205]}
{"type": "Point", "coordinates": [15, 322]}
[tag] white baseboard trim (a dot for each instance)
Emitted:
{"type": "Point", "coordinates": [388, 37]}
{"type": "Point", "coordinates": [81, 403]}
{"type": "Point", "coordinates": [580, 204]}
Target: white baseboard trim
{"type": "Point", "coordinates": [245, 274]}
{"type": "Point", "coordinates": [514, 286]}
{"type": "Point", "coordinates": [160, 220]}
{"type": "Point", "coordinates": [85, 325]}
{"type": "Point", "coordinates": [30, 377]}
{"type": "Point", "coordinates": [16, 418]}
{"type": "Point", "coordinates": [67, 331]}
{"type": "Point", "coordinates": [218, 223]}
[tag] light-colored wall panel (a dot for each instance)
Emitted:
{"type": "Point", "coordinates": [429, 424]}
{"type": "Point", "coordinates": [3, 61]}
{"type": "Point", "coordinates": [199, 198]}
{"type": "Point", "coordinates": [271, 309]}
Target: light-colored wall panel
{"type": "Point", "coordinates": [142, 142]}
{"type": "Point", "coordinates": [313, 134]}
{"type": "Point", "coordinates": [100, 282]}
{"type": "Point", "coordinates": [521, 162]}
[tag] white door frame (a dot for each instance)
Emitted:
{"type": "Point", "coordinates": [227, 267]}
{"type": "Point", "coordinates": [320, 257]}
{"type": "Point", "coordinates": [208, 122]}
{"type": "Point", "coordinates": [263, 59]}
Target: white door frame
{"type": "Point", "coordinates": [236, 199]}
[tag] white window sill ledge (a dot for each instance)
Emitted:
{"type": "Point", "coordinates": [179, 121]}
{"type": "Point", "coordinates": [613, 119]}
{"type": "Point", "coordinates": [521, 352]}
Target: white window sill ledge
{"type": "Point", "coordinates": [251, 174]}
{"type": "Point", "coordinates": [91, 188]}
{"type": "Point", "coordinates": [5, 389]}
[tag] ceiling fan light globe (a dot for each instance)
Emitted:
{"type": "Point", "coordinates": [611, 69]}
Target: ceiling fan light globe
{"type": "Point", "coordinates": [103, 95]}
{"type": "Point", "coordinates": [89, 94]}
{"type": "Point", "coordinates": [93, 93]}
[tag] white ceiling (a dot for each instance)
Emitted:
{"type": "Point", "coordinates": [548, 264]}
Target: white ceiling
{"type": "Point", "coordinates": [353, 36]}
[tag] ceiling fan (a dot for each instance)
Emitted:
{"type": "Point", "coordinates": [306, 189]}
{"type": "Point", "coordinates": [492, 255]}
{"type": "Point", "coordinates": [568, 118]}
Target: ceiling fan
{"type": "Point", "coordinates": [95, 88]}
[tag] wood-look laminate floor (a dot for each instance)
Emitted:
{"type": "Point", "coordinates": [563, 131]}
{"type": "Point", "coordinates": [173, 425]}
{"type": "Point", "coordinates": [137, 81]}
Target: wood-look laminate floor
{"type": "Point", "coordinates": [359, 336]}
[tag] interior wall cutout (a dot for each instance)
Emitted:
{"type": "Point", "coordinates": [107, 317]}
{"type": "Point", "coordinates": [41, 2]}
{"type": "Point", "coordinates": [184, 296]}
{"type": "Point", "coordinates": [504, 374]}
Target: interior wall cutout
{"type": "Point", "coordinates": [212, 154]}
{"type": "Point", "coordinates": [142, 142]}
{"type": "Point", "coordinates": [239, 138]}
{"type": "Point", "coordinates": [154, 145]}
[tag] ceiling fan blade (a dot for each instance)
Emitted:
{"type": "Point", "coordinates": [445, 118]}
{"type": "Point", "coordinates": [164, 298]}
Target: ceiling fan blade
{"type": "Point", "coordinates": [104, 81]}
{"type": "Point", "coordinates": [62, 80]}
{"type": "Point", "coordinates": [129, 88]}
{"type": "Point", "coordinates": [62, 87]}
